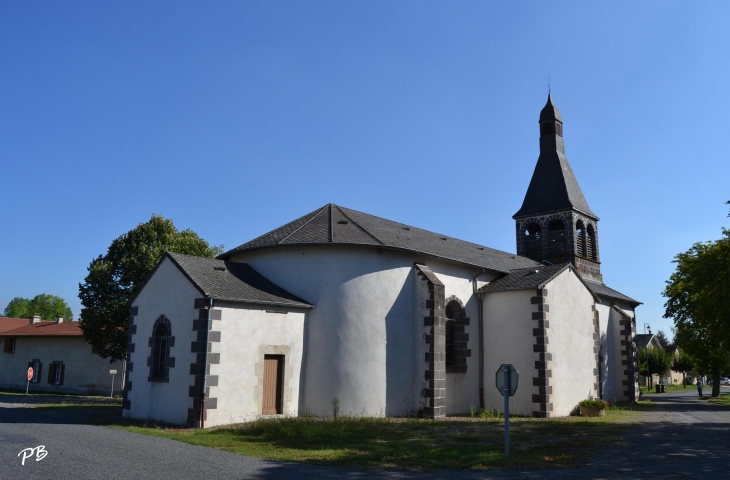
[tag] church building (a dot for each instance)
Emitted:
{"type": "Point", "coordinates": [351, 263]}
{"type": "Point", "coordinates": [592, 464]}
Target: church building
{"type": "Point", "coordinates": [386, 319]}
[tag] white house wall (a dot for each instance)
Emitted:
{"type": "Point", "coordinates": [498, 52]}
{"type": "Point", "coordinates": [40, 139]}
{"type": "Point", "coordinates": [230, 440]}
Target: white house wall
{"type": "Point", "coordinates": [84, 372]}
{"type": "Point", "coordinates": [168, 292]}
{"type": "Point", "coordinates": [508, 338]}
{"type": "Point", "coordinates": [248, 333]}
{"type": "Point", "coordinates": [571, 342]}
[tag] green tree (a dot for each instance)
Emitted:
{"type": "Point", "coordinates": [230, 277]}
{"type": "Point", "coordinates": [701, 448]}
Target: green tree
{"type": "Point", "coordinates": [653, 361]}
{"type": "Point", "coordinates": [683, 364]}
{"type": "Point", "coordinates": [698, 299]}
{"type": "Point", "coordinates": [114, 278]}
{"type": "Point", "coordinates": [49, 307]}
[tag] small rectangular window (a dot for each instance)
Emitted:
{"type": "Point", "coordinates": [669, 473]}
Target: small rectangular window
{"type": "Point", "coordinates": [36, 367]}
{"type": "Point", "coordinates": [9, 346]}
{"type": "Point", "coordinates": [57, 380]}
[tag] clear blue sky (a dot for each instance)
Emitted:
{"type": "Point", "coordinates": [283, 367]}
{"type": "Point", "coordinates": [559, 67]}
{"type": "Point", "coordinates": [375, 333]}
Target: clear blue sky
{"type": "Point", "coordinates": [234, 118]}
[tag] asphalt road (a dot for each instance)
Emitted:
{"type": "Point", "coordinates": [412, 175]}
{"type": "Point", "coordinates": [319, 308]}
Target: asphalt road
{"type": "Point", "coordinates": [681, 437]}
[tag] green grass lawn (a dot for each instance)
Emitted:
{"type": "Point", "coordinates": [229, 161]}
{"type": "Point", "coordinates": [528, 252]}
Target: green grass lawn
{"type": "Point", "coordinates": [412, 443]}
{"type": "Point", "coordinates": [723, 399]}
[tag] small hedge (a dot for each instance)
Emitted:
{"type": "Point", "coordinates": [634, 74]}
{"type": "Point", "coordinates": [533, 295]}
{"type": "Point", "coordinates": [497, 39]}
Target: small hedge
{"type": "Point", "coordinates": [597, 403]}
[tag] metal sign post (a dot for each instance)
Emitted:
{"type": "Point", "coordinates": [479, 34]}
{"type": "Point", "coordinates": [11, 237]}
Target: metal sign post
{"type": "Point", "coordinates": [507, 378]}
{"type": "Point", "coordinates": [30, 375]}
{"type": "Point", "coordinates": [112, 372]}
{"type": "Point", "coordinates": [506, 410]}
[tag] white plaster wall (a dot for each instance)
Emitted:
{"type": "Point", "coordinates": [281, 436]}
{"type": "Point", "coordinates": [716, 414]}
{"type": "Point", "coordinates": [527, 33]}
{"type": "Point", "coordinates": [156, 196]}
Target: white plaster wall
{"type": "Point", "coordinates": [508, 338]}
{"type": "Point", "coordinates": [619, 368]}
{"type": "Point", "coordinates": [244, 329]}
{"type": "Point", "coordinates": [363, 341]}
{"type": "Point", "coordinates": [571, 342]}
{"type": "Point", "coordinates": [462, 389]}
{"type": "Point", "coordinates": [167, 293]}
{"type": "Point", "coordinates": [609, 339]}
{"type": "Point", "coordinates": [84, 372]}
{"type": "Point", "coordinates": [361, 335]}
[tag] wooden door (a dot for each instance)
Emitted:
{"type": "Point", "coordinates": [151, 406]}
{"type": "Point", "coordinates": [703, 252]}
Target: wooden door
{"type": "Point", "coordinates": [273, 376]}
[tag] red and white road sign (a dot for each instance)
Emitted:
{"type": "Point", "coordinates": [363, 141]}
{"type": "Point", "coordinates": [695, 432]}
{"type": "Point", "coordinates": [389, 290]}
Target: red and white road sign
{"type": "Point", "coordinates": [30, 373]}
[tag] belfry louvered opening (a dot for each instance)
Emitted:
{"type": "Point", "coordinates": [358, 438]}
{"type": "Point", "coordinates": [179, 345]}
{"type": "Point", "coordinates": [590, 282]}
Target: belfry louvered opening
{"type": "Point", "coordinates": [580, 244]}
{"type": "Point", "coordinates": [556, 238]}
{"type": "Point", "coordinates": [591, 243]}
{"type": "Point", "coordinates": [533, 242]}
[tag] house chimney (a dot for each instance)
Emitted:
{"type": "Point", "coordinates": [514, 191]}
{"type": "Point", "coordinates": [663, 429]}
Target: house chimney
{"type": "Point", "coordinates": [59, 319]}
{"type": "Point", "coordinates": [35, 319]}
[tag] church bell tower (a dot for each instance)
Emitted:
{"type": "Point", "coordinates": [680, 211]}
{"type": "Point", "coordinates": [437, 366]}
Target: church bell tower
{"type": "Point", "coordinates": [555, 223]}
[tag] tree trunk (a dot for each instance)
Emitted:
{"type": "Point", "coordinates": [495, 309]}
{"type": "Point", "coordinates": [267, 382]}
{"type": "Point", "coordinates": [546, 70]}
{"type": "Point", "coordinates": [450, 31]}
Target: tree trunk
{"type": "Point", "coordinates": [683, 382]}
{"type": "Point", "coordinates": [715, 382]}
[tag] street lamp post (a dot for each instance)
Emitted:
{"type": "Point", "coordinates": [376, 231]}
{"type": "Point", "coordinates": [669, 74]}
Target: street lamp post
{"type": "Point", "coordinates": [647, 327]}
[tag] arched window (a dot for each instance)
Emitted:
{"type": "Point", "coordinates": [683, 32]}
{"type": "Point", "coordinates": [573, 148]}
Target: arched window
{"type": "Point", "coordinates": [161, 341]}
{"type": "Point", "coordinates": [533, 242]}
{"type": "Point", "coordinates": [456, 336]}
{"type": "Point", "coordinates": [591, 243]}
{"type": "Point", "coordinates": [556, 238]}
{"type": "Point", "coordinates": [580, 244]}
{"type": "Point", "coordinates": [158, 368]}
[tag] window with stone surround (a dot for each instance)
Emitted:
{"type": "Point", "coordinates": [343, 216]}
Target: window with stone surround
{"type": "Point", "coordinates": [160, 343]}
{"type": "Point", "coordinates": [456, 337]}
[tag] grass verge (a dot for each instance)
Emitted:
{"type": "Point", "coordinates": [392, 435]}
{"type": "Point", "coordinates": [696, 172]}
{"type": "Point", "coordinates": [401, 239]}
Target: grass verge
{"type": "Point", "coordinates": [723, 399]}
{"type": "Point", "coordinates": [411, 443]}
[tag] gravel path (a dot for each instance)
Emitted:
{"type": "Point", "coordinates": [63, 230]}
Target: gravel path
{"type": "Point", "coordinates": [681, 437]}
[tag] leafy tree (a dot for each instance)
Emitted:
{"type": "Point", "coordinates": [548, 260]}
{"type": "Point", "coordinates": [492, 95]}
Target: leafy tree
{"type": "Point", "coordinates": [114, 278]}
{"type": "Point", "coordinates": [683, 364]}
{"type": "Point", "coordinates": [663, 340]}
{"type": "Point", "coordinates": [653, 361]}
{"type": "Point", "coordinates": [49, 307]}
{"type": "Point", "coordinates": [698, 299]}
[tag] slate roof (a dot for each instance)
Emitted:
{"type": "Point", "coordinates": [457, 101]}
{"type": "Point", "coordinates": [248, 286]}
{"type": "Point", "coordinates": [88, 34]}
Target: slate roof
{"type": "Point", "coordinates": [605, 291]}
{"type": "Point", "coordinates": [42, 329]}
{"type": "Point", "coordinates": [530, 278]}
{"type": "Point", "coordinates": [333, 224]}
{"type": "Point", "coordinates": [234, 282]}
{"type": "Point", "coordinates": [553, 186]}
{"type": "Point", "coordinates": [550, 111]}
{"type": "Point", "coordinates": [525, 278]}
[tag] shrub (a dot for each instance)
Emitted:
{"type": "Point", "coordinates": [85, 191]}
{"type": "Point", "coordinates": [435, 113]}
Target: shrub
{"type": "Point", "coordinates": [596, 403]}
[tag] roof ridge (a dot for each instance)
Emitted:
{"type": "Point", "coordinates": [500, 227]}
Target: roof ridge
{"type": "Point", "coordinates": [363, 229]}
{"type": "Point", "coordinates": [303, 225]}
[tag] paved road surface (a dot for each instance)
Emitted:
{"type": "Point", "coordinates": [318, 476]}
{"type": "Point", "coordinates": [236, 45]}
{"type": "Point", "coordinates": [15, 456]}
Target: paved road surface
{"type": "Point", "coordinates": [681, 438]}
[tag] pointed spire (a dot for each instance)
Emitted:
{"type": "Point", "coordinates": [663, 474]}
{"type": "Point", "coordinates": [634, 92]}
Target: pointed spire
{"type": "Point", "coordinates": [549, 112]}
{"type": "Point", "coordinates": [553, 186]}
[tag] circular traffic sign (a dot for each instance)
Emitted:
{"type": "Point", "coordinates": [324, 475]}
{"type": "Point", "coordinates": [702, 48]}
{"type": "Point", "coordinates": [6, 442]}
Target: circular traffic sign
{"type": "Point", "coordinates": [30, 373]}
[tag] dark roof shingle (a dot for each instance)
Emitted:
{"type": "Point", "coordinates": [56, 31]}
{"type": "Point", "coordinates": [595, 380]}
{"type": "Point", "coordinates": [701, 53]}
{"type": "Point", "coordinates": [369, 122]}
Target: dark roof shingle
{"type": "Point", "coordinates": [605, 291]}
{"type": "Point", "coordinates": [332, 224]}
{"type": "Point", "coordinates": [525, 278]}
{"type": "Point", "coordinates": [235, 282]}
